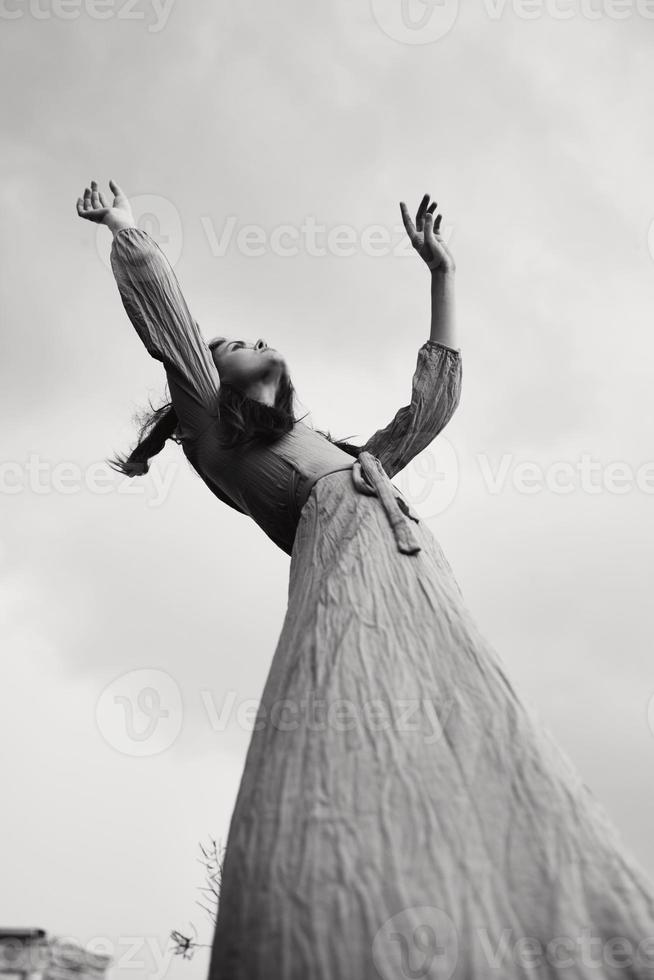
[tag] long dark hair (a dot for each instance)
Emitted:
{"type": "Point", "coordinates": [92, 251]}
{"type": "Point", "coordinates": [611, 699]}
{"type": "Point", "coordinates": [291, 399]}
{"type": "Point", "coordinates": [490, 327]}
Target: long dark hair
{"type": "Point", "coordinates": [242, 420]}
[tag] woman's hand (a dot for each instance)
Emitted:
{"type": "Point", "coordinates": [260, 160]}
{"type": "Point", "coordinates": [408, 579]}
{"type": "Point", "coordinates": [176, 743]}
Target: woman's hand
{"type": "Point", "coordinates": [426, 238]}
{"type": "Point", "coordinates": [93, 207]}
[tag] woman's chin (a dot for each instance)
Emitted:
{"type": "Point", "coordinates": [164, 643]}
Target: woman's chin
{"type": "Point", "coordinates": [275, 357]}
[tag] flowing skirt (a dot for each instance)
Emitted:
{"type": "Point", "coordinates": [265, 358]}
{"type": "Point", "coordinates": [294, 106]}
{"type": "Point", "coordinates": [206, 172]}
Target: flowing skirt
{"type": "Point", "coordinates": [402, 813]}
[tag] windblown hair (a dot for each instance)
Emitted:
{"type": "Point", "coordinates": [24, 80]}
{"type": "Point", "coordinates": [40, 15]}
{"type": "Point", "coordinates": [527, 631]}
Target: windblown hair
{"type": "Point", "coordinates": [242, 420]}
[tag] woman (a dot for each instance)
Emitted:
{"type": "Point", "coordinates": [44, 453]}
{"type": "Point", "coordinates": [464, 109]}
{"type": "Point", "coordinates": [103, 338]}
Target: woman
{"type": "Point", "coordinates": [401, 813]}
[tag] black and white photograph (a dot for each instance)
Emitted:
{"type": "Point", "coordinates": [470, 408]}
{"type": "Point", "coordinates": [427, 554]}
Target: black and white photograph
{"type": "Point", "coordinates": [327, 489]}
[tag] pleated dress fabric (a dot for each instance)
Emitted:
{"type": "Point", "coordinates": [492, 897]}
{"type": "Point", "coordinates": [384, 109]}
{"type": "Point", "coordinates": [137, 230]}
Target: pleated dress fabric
{"type": "Point", "coordinates": [402, 812]}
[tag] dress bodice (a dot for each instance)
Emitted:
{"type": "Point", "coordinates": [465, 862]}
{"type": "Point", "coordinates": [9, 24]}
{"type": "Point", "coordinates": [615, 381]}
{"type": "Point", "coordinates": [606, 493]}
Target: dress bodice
{"type": "Point", "coordinates": [270, 483]}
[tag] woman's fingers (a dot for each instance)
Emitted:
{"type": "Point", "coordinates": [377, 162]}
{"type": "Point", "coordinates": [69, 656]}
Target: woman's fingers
{"type": "Point", "coordinates": [426, 237]}
{"type": "Point", "coordinates": [84, 210]}
{"type": "Point", "coordinates": [429, 228]}
{"type": "Point", "coordinates": [434, 259]}
{"type": "Point", "coordinates": [119, 195]}
{"type": "Point", "coordinates": [408, 223]}
{"type": "Point", "coordinates": [420, 213]}
{"type": "Point", "coordinates": [93, 205]}
{"type": "Point", "coordinates": [432, 238]}
{"type": "Point", "coordinates": [435, 229]}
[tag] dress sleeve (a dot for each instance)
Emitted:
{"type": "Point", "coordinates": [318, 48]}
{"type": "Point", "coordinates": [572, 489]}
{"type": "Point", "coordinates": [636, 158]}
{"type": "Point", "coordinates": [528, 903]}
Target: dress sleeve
{"type": "Point", "coordinates": [154, 303]}
{"type": "Point", "coordinates": [435, 395]}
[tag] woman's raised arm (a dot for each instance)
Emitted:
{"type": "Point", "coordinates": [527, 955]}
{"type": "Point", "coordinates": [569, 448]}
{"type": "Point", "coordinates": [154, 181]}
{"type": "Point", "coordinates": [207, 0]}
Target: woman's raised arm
{"type": "Point", "coordinates": [426, 238]}
{"type": "Point", "coordinates": [157, 309]}
{"type": "Point", "coordinates": [436, 384]}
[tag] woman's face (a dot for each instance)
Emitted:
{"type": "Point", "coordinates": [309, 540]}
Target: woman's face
{"type": "Point", "coordinates": [242, 363]}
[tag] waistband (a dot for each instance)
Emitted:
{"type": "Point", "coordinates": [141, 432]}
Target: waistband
{"type": "Point", "coordinates": [370, 477]}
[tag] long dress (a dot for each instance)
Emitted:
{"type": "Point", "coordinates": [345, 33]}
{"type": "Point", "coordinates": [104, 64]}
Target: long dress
{"type": "Point", "coordinates": [402, 813]}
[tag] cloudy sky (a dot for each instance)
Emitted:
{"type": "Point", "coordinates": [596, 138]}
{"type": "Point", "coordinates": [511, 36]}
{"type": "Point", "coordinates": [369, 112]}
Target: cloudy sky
{"type": "Point", "coordinates": [266, 147]}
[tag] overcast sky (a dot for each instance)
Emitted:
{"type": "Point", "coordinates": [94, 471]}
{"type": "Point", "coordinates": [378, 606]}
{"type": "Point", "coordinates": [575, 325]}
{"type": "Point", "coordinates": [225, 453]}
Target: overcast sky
{"type": "Point", "coordinates": [120, 602]}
